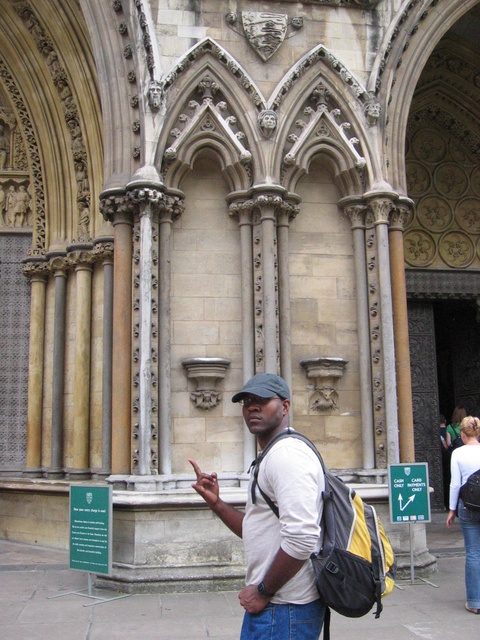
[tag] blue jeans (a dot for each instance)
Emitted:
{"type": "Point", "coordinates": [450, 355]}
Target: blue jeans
{"type": "Point", "coordinates": [470, 523]}
{"type": "Point", "coordinates": [285, 622]}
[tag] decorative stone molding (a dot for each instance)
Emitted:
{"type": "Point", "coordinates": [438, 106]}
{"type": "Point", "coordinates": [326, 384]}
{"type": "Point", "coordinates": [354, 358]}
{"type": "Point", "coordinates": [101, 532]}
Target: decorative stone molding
{"type": "Point", "coordinates": [208, 47]}
{"type": "Point", "coordinates": [206, 372]}
{"type": "Point", "coordinates": [72, 118]}
{"type": "Point", "coordinates": [321, 54]}
{"type": "Point", "coordinates": [213, 116]}
{"type": "Point", "coordinates": [401, 31]}
{"type": "Point", "coordinates": [319, 121]}
{"type": "Point", "coordinates": [326, 372]}
{"type": "Point", "coordinates": [442, 285]}
{"type": "Point", "coordinates": [37, 203]}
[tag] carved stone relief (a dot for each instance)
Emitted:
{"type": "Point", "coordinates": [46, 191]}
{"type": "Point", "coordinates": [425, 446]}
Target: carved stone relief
{"type": "Point", "coordinates": [207, 112]}
{"type": "Point", "coordinates": [71, 115]}
{"type": "Point", "coordinates": [258, 293]}
{"type": "Point", "coordinates": [264, 30]}
{"type": "Point", "coordinates": [136, 198]}
{"type": "Point", "coordinates": [380, 433]}
{"type": "Point", "coordinates": [16, 211]}
{"type": "Point", "coordinates": [25, 160]}
{"type": "Point", "coordinates": [316, 119]}
{"type": "Point", "coordinates": [442, 179]}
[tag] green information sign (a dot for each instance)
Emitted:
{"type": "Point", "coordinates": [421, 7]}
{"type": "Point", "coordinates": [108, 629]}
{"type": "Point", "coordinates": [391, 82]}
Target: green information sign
{"type": "Point", "coordinates": [409, 492]}
{"type": "Point", "coordinates": [90, 528]}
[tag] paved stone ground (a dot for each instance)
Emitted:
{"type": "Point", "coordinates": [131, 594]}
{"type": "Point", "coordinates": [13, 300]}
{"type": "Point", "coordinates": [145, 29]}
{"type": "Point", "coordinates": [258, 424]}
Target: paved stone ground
{"type": "Point", "coordinates": [30, 576]}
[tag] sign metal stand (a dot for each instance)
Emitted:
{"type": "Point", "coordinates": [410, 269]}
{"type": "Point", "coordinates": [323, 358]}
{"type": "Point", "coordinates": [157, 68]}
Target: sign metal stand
{"type": "Point", "coordinates": [91, 536]}
{"type": "Point", "coordinates": [409, 499]}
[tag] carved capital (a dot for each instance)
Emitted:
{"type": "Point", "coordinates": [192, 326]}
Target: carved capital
{"type": "Point", "coordinates": [171, 208]}
{"type": "Point", "coordinates": [59, 266]}
{"type": "Point", "coordinates": [81, 258]}
{"type": "Point", "coordinates": [356, 213]}
{"type": "Point", "coordinates": [115, 205]}
{"type": "Point", "coordinates": [144, 197]}
{"type": "Point", "coordinates": [103, 252]}
{"type": "Point", "coordinates": [381, 208]}
{"type": "Point", "coordinates": [36, 270]}
{"type": "Point", "coordinates": [400, 216]}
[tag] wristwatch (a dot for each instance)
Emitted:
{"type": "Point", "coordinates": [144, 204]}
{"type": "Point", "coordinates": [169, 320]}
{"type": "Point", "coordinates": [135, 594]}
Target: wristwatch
{"type": "Point", "coordinates": [263, 591]}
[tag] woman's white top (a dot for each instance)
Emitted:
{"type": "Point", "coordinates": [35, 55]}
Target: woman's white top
{"type": "Point", "coordinates": [465, 461]}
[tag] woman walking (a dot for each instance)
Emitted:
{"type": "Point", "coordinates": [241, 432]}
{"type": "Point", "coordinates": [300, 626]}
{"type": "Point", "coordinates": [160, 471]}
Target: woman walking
{"type": "Point", "coordinates": [465, 461]}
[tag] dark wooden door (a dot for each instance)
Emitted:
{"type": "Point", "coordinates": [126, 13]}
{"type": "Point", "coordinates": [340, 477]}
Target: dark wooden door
{"type": "Point", "coordinates": [425, 395]}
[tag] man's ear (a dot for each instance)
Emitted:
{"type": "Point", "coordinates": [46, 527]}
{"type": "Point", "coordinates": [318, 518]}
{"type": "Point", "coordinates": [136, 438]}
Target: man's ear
{"type": "Point", "coordinates": [286, 406]}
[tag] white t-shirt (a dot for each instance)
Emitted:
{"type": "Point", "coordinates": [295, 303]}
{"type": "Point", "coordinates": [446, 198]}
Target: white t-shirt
{"type": "Point", "coordinates": [291, 475]}
{"type": "Point", "coordinates": [465, 461]}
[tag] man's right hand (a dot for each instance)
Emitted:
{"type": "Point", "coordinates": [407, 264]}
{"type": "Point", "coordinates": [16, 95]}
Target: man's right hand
{"type": "Point", "coordinates": [206, 485]}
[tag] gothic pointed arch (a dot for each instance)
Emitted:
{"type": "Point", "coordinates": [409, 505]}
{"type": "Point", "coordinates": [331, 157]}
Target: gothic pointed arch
{"type": "Point", "coordinates": [208, 114]}
{"type": "Point", "coordinates": [332, 119]}
{"type": "Point", "coordinates": [408, 44]}
{"type": "Point", "coordinates": [54, 109]}
{"type": "Point", "coordinates": [111, 29]}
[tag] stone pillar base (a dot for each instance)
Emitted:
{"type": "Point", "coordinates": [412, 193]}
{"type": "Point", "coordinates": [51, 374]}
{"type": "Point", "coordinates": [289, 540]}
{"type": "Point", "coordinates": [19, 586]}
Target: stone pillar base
{"type": "Point", "coordinates": [161, 579]}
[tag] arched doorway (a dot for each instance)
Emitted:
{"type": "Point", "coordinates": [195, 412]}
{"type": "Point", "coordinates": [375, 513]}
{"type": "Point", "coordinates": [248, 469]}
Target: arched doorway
{"type": "Point", "coordinates": [442, 239]}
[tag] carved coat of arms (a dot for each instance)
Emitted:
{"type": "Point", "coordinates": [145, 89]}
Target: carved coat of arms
{"type": "Point", "coordinates": [265, 31]}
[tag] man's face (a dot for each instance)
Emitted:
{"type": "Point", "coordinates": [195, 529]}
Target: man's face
{"type": "Point", "coordinates": [263, 415]}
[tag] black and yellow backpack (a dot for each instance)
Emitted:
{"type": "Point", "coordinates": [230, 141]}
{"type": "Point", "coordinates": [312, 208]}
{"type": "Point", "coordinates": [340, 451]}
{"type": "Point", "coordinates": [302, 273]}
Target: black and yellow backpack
{"type": "Point", "coordinates": [356, 565]}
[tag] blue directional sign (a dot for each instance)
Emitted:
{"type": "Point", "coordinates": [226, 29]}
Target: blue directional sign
{"type": "Point", "coordinates": [408, 489]}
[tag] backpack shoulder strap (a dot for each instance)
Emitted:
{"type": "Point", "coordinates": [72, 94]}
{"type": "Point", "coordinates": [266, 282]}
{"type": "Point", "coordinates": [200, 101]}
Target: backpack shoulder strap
{"type": "Point", "coordinates": [289, 433]}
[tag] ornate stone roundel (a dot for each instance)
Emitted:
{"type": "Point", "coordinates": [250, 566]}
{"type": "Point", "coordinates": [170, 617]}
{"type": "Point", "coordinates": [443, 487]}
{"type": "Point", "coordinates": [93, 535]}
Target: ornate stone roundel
{"type": "Point", "coordinates": [467, 214]}
{"type": "Point", "coordinates": [434, 213]}
{"type": "Point", "coordinates": [450, 180]}
{"type": "Point", "coordinates": [429, 146]}
{"type": "Point", "coordinates": [419, 248]}
{"type": "Point", "coordinates": [475, 181]}
{"type": "Point", "coordinates": [418, 179]}
{"type": "Point", "coordinates": [456, 249]}
{"type": "Point", "coordinates": [458, 153]}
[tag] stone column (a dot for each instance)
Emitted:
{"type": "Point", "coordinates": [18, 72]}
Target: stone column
{"type": "Point", "coordinates": [244, 212]}
{"type": "Point", "coordinates": [105, 250]}
{"type": "Point", "coordinates": [146, 198]}
{"type": "Point", "coordinates": [116, 208]}
{"type": "Point", "coordinates": [38, 278]}
{"type": "Point", "coordinates": [285, 214]}
{"type": "Point", "coordinates": [59, 268]}
{"type": "Point", "coordinates": [381, 205]}
{"type": "Point", "coordinates": [82, 261]}
{"type": "Point", "coordinates": [170, 209]}
{"type": "Point", "coordinates": [267, 204]}
{"type": "Point", "coordinates": [356, 213]}
{"type": "Point", "coordinates": [400, 323]}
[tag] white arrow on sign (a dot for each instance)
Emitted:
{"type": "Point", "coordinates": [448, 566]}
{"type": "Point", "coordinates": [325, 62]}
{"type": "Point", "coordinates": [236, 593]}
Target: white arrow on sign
{"type": "Point", "coordinates": [400, 501]}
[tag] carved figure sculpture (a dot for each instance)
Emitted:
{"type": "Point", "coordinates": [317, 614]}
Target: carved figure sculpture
{"type": "Point", "coordinates": [154, 95]}
{"type": "Point", "coordinates": [4, 147]}
{"type": "Point", "coordinates": [2, 205]}
{"type": "Point", "coordinates": [22, 203]}
{"type": "Point", "coordinates": [267, 120]}
{"type": "Point", "coordinates": [10, 202]}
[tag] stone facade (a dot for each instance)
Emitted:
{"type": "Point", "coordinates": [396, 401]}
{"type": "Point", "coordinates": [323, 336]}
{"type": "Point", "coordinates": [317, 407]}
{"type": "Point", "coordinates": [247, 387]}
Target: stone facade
{"type": "Point", "coordinates": [211, 190]}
